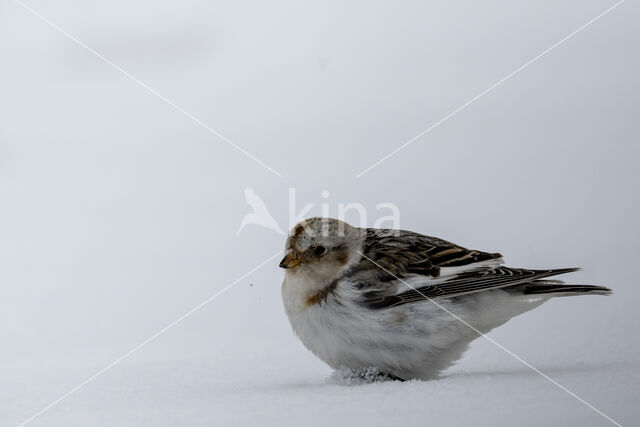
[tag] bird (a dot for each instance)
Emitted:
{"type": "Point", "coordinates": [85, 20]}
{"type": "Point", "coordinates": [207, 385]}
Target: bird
{"type": "Point", "coordinates": [260, 215]}
{"type": "Point", "coordinates": [402, 303]}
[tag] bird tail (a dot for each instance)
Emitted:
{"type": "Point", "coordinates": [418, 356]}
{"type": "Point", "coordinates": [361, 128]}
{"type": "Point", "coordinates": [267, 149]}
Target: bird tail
{"type": "Point", "coordinates": [557, 288]}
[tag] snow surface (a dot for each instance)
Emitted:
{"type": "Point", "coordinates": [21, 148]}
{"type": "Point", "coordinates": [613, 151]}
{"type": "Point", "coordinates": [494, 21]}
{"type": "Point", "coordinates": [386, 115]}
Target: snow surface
{"type": "Point", "coordinates": [118, 214]}
{"type": "Point", "coordinates": [486, 389]}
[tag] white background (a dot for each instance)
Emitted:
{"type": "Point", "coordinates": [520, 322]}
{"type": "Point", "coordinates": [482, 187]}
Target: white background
{"type": "Point", "coordinates": [118, 213]}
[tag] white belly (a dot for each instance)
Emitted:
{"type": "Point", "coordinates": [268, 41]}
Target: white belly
{"type": "Point", "coordinates": [410, 341]}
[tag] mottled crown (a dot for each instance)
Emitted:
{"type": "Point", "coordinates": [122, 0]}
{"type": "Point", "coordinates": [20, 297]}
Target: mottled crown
{"type": "Point", "coordinates": [306, 233]}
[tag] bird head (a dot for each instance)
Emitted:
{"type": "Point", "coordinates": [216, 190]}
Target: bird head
{"type": "Point", "coordinates": [322, 248]}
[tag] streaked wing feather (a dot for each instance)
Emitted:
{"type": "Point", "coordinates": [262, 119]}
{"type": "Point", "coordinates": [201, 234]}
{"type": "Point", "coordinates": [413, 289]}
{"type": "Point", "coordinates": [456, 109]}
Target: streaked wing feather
{"type": "Point", "coordinates": [392, 258]}
{"type": "Point", "coordinates": [401, 252]}
{"type": "Point", "coordinates": [466, 283]}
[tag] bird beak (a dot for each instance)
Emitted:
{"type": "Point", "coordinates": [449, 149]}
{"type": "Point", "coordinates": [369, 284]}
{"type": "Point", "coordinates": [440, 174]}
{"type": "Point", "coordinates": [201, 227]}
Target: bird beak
{"type": "Point", "coordinates": [290, 260]}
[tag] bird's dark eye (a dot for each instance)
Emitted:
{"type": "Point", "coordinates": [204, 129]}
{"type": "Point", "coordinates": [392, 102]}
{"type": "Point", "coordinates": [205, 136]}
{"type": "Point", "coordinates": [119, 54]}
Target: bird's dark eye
{"type": "Point", "coordinates": [319, 250]}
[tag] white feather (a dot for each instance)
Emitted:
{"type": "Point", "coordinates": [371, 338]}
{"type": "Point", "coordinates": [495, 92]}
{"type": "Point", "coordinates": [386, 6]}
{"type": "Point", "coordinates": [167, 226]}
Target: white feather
{"type": "Point", "coordinates": [410, 341]}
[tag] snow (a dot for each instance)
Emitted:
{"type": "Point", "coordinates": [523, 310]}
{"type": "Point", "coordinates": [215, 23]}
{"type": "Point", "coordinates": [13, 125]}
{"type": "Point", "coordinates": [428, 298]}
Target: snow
{"type": "Point", "coordinates": [228, 373]}
{"type": "Point", "coordinates": [205, 393]}
{"type": "Point", "coordinates": [118, 214]}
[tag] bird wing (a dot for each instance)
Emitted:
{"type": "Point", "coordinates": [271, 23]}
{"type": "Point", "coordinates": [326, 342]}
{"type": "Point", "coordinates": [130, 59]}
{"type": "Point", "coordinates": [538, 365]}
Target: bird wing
{"type": "Point", "coordinates": [400, 267]}
{"type": "Point", "coordinates": [399, 253]}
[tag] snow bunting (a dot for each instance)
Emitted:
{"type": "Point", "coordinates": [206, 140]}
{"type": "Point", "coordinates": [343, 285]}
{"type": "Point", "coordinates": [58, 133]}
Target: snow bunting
{"type": "Point", "coordinates": [401, 302]}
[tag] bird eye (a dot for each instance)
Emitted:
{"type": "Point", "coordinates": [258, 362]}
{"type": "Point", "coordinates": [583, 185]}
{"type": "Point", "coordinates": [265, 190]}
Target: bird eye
{"type": "Point", "coordinates": [319, 250]}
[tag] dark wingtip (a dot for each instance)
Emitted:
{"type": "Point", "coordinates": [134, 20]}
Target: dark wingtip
{"type": "Point", "coordinates": [605, 291]}
{"type": "Point", "coordinates": [563, 270]}
{"type": "Point", "coordinates": [567, 289]}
